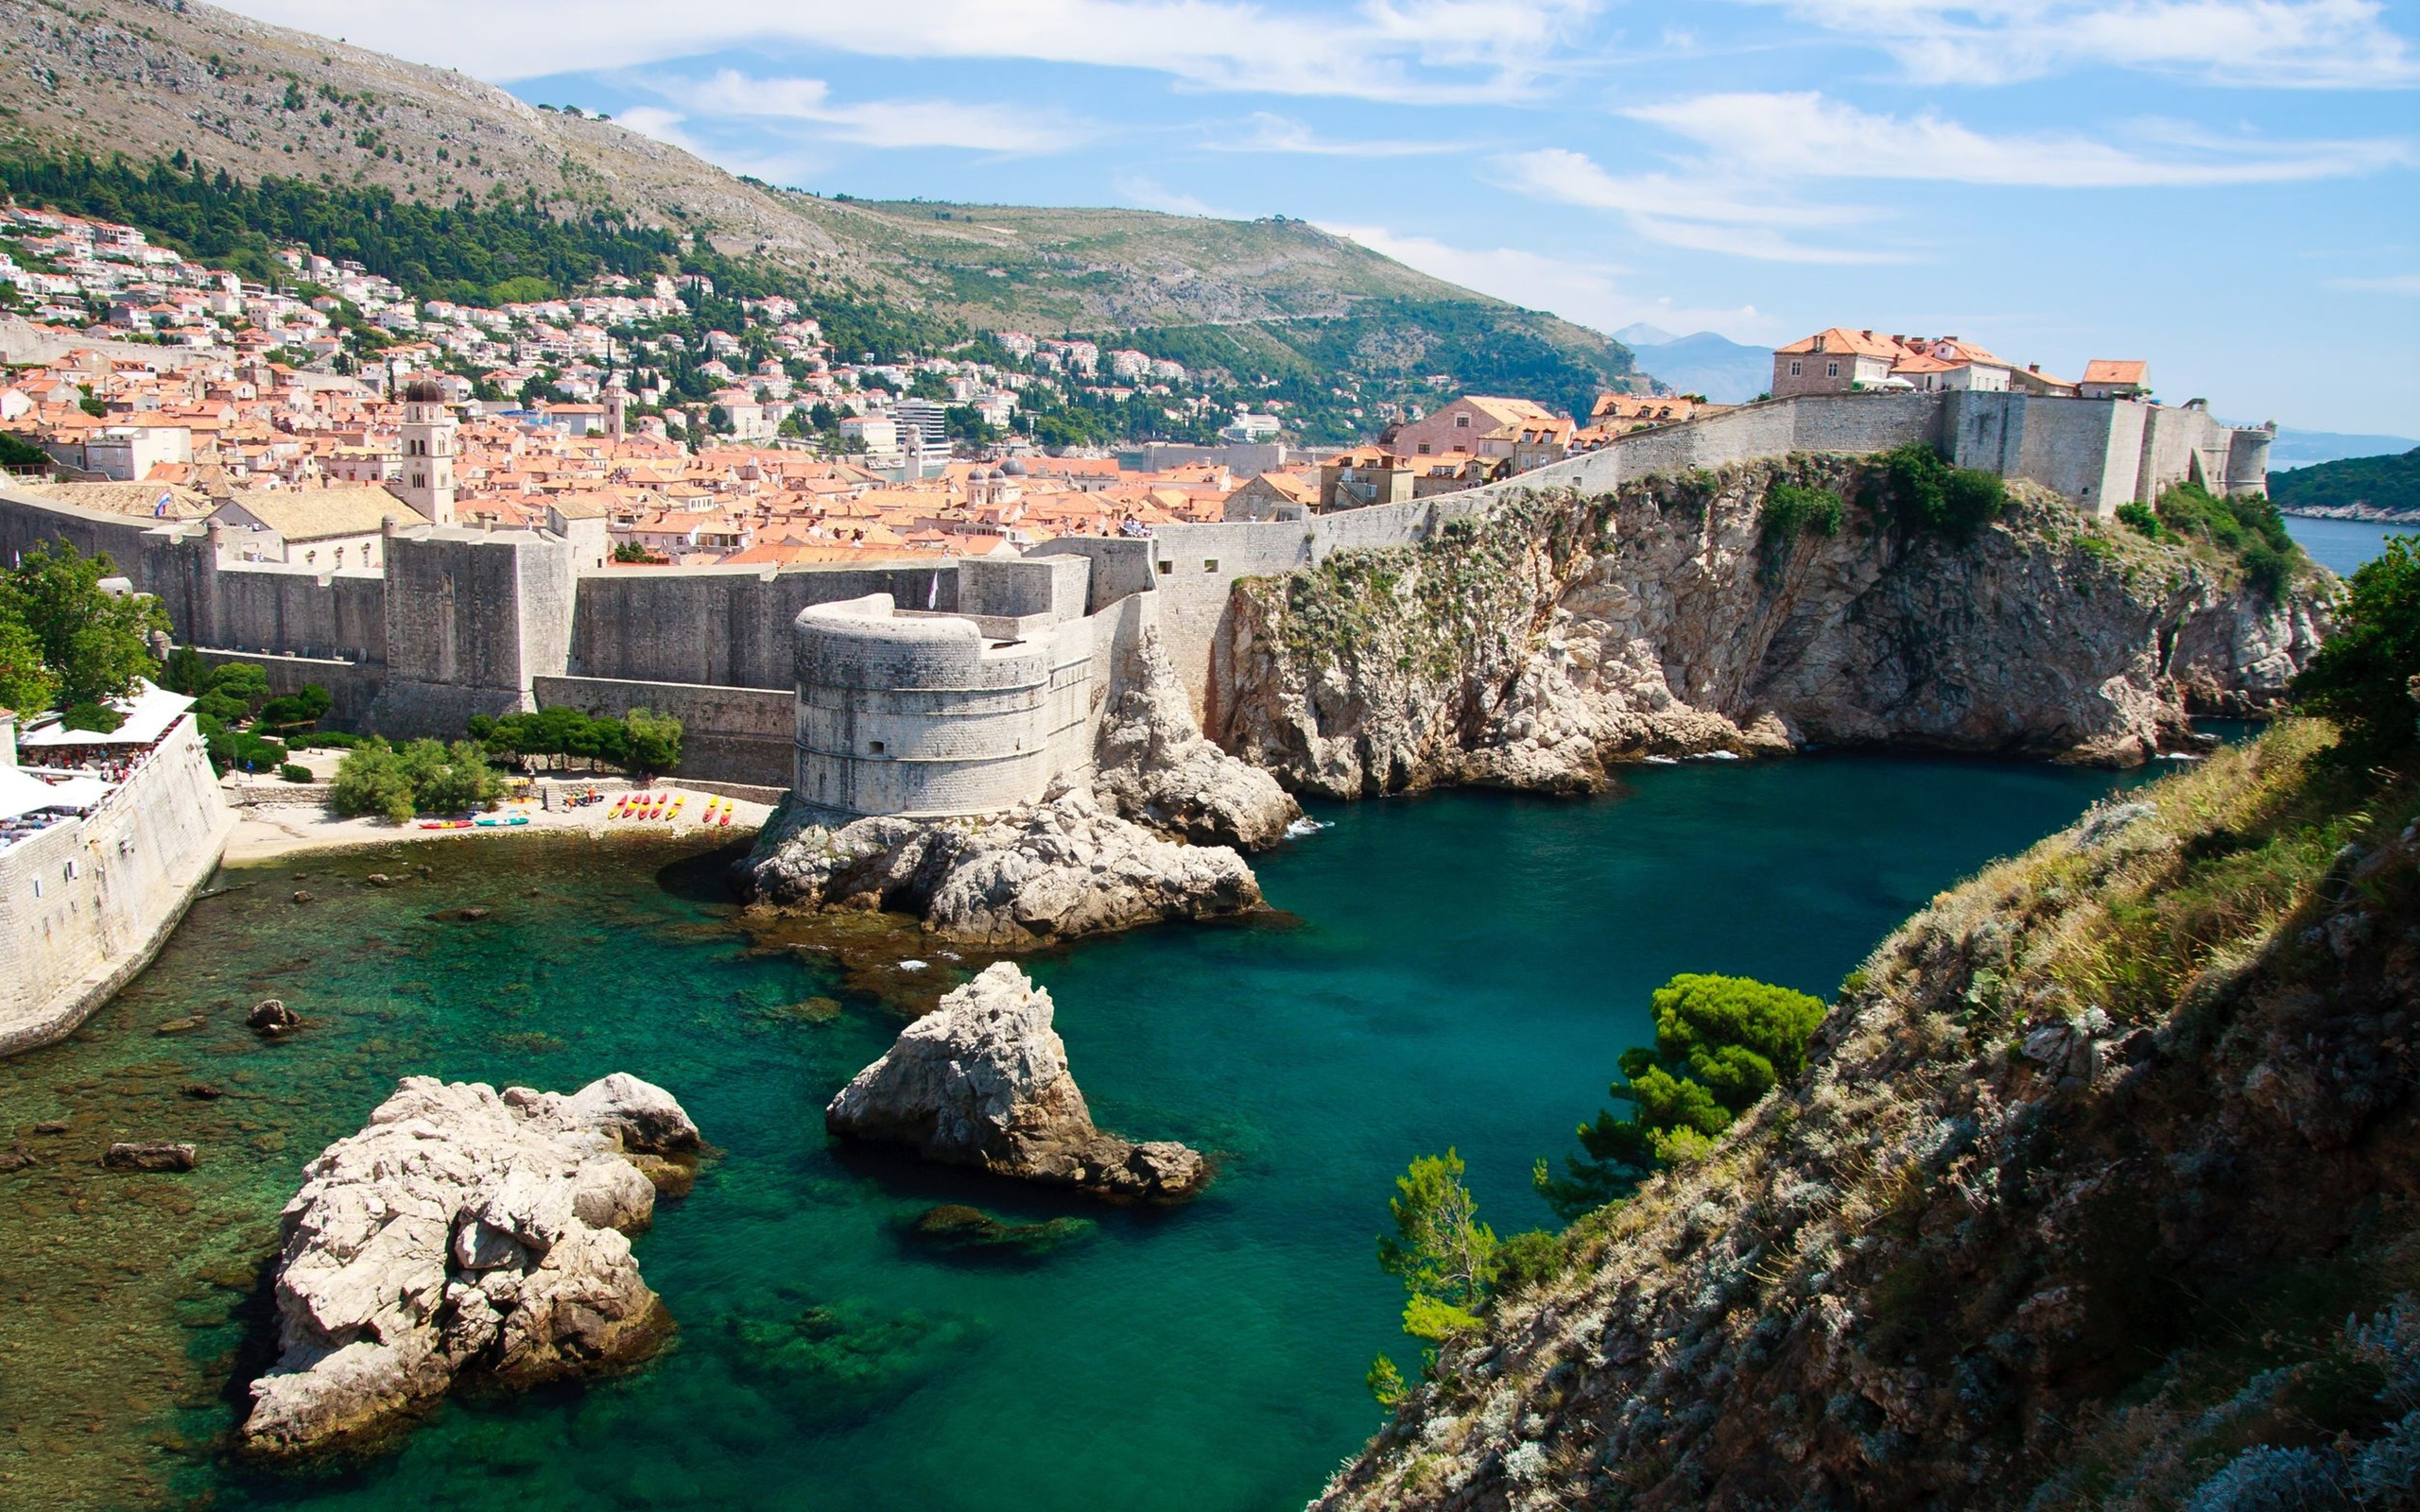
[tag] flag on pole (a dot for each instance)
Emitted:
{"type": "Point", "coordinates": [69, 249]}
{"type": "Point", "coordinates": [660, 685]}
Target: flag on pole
{"type": "Point", "coordinates": [933, 594]}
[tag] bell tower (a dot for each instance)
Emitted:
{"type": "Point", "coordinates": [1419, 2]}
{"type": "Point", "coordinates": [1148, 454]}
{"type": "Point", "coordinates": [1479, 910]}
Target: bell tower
{"type": "Point", "coordinates": [427, 482]}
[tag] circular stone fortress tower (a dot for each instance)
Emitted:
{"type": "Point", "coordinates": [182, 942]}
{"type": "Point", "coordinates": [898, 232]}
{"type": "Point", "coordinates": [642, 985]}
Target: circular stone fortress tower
{"type": "Point", "coordinates": [928, 715]}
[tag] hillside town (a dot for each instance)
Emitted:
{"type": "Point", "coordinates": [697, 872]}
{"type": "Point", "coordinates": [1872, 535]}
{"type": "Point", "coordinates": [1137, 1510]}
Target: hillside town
{"type": "Point", "coordinates": [169, 389]}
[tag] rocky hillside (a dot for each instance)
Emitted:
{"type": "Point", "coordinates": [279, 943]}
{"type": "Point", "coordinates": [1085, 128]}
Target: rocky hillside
{"type": "Point", "coordinates": [2099, 1192]}
{"type": "Point", "coordinates": [1560, 633]}
{"type": "Point", "coordinates": [150, 77]}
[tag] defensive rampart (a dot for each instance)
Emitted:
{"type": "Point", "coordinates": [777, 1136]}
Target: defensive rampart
{"type": "Point", "coordinates": [462, 622]}
{"type": "Point", "coordinates": [87, 903]}
{"type": "Point", "coordinates": [927, 714]}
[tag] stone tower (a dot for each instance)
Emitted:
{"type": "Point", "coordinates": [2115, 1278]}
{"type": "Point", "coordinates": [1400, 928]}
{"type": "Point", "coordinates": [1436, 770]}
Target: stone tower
{"type": "Point", "coordinates": [427, 483]}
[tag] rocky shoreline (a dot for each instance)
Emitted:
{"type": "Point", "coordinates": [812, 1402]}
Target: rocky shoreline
{"type": "Point", "coordinates": [463, 1232]}
{"type": "Point", "coordinates": [983, 1081]}
{"type": "Point", "coordinates": [1540, 645]}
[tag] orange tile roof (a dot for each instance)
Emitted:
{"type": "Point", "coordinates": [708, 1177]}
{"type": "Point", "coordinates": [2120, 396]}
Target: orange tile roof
{"type": "Point", "coordinates": [2106, 371]}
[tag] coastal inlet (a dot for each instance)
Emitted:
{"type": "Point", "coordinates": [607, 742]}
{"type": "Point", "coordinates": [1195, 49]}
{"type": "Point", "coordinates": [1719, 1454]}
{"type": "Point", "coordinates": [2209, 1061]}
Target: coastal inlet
{"type": "Point", "coordinates": [1457, 969]}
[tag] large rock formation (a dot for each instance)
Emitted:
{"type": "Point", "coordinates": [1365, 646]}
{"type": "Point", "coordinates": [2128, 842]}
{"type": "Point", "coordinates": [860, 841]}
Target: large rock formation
{"type": "Point", "coordinates": [1040, 872]}
{"type": "Point", "coordinates": [1157, 769]}
{"type": "Point", "coordinates": [1560, 633]}
{"type": "Point", "coordinates": [2100, 1190]}
{"type": "Point", "coordinates": [463, 1230]}
{"type": "Point", "coordinates": [983, 1081]}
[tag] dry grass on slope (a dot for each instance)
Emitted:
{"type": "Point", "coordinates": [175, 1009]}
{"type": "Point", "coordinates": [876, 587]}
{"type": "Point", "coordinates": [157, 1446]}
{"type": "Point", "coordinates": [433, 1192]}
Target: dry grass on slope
{"type": "Point", "coordinates": [2101, 1143]}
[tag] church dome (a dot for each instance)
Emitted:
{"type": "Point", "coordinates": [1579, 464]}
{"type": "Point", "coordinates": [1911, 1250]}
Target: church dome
{"type": "Point", "coordinates": [1012, 468]}
{"type": "Point", "coordinates": [424, 392]}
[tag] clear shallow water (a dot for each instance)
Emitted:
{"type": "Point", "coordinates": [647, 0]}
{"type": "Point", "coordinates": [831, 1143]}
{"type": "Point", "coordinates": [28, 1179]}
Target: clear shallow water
{"type": "Point", "coordinates": [2340, 545]}
{"type": "Point", "coordinates": [1460, 970]}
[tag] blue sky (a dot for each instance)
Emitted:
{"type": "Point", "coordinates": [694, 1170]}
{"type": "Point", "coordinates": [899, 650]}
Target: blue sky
{"type": "Point", "coordinates": [2227, 188]}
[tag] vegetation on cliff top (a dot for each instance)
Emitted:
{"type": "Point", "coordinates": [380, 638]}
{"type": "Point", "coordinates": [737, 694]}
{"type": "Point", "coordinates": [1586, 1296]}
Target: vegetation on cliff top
{"type": "Point", "coordinates": [2246, 531]}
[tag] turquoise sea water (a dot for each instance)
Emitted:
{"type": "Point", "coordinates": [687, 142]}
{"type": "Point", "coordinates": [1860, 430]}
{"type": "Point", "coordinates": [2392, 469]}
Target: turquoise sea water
{"type": "Point", "coordinates": [1458, 969]}
{"type": "Point", "coordinates": [2340, 545]}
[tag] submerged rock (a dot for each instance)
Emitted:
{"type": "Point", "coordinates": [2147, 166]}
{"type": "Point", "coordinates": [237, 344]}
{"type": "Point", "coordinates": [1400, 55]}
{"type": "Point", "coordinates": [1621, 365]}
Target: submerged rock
{"type": "Point", "coordinates": [983, 1081]}
{"type": "Point", "coordinates": [150, 1155]}
{"type": "Point", "coordinates": [959, 1227]}
{"type": "Point", "coordinates": [1038, 872]}
{"type": "Point", "coordinates": [270, 1016]}
{"type": "Point", "coordinates": [463, 1230]}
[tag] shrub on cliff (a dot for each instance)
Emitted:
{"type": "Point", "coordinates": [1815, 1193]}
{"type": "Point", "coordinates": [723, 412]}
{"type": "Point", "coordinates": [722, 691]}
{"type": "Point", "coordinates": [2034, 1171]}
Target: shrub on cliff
{"type": "Point", "coordinates": [2362, 676]}
{"type": "Point", "coordinates": [2247, 529]}
{"type": "Point", "coordinates": [1924, 495]}
{"type": "Point", "coordinates": [1793, 510]}
{"type": "Point", "coordinates": [1721, 1042]}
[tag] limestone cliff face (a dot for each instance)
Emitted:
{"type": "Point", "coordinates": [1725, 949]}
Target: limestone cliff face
{"type": "Point", "coordinates": [2100, 1192]}
{"type": "Point", "coordinates": [1560, 633]}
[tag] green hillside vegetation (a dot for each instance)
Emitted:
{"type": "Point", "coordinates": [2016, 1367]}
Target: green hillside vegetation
{"type": "Point", "coordinates": [2379, 482]}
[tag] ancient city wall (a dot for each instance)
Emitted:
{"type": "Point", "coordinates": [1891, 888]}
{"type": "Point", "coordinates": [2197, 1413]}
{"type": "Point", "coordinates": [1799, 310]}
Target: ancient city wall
{"type": "Point", "coordinates": [723, 625]}
{"type": "Point", "coordinates": [86, 903]}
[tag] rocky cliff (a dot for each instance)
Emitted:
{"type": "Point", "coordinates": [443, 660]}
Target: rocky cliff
{"type": "Point", "coordinates": [2102, 1189]}
{"type": "Point", "coordinates": [1561, 633]}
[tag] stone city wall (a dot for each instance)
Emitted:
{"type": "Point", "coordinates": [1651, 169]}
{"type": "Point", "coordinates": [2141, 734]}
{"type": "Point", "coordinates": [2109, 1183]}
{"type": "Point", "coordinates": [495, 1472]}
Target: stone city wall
{"type": "Point", "coordinates": [86, 903]}
{"type": "Point", "coordinates": [724, 625]}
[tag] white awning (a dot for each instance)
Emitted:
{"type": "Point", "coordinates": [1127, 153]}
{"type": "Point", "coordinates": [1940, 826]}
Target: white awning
{"type": "Point", "coordinates": [21, 793]}
{"type": "Point", "coordinates": [148, 715]}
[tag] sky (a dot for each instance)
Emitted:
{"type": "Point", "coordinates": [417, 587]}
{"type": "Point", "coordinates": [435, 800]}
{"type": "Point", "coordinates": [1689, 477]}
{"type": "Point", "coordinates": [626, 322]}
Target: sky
{"type": "Point", "coordinates": [2229, 189]}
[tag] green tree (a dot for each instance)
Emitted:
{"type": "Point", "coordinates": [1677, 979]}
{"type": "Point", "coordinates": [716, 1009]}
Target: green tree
{"type": "Point", "coordinates": [94, 645]}
{"type": "Point", "coordinates": [1721, 1042]}
{"type": "Point", "coordinates": [298, 710]}
{"type": "Point", "coordinates": [393, 783]}
{"type": "Point", "coordinates": [184, 672]}
{"type": "Point", "coordinates": [1384, 1382]}
{"type": "Point", "coordinates": [2363, 676]}
{"type": "Point", "coordinates": [1440, 1251]}
{"type": "Point", "coordinates": [27, 684]}
{"type": "Point", "coordinates": [371, 781]}
{"type": "Point", "coordinates": [654, 742]}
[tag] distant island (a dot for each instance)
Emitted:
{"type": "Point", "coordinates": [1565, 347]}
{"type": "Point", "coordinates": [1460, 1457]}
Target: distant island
{"type": "Point", "coordinates": [2360, 488]}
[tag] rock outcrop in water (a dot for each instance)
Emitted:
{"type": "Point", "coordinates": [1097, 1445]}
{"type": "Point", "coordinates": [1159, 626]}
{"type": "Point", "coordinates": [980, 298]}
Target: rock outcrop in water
{"type": "Point", "coordinates": [1155, 835]}
{"type": "Point", "coordinates": [461, 1231]}
{"type": "Point", "coordinates": [2102, 1190]}
{"type": "Point", "coordinates": [983, 1081]}
{"type": "Point", "coordinates": [1534, 646]}
{"type": "Point", "coordinates": [1044, 871]}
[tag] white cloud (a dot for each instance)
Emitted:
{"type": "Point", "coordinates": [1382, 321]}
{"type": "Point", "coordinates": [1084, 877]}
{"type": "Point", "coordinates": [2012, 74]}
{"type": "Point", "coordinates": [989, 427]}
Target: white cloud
{"type": "Point", "coordinates": [1589, 293]}
{"type": "Point", "coordinates": [1277, 134]}
{"type": "Point", "coordinates": [1707, 212]}
{"type": "Point", "coordinates": [1424, 51]}
{"type": "Point", "coordinates": [1807, 136]}
{"type": "Point", "coordinates": [2408, 284]}
{"type": "Point", "coordinates": [883, 123]}
{"type": "Point", "coordinates": [2273, 44]}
